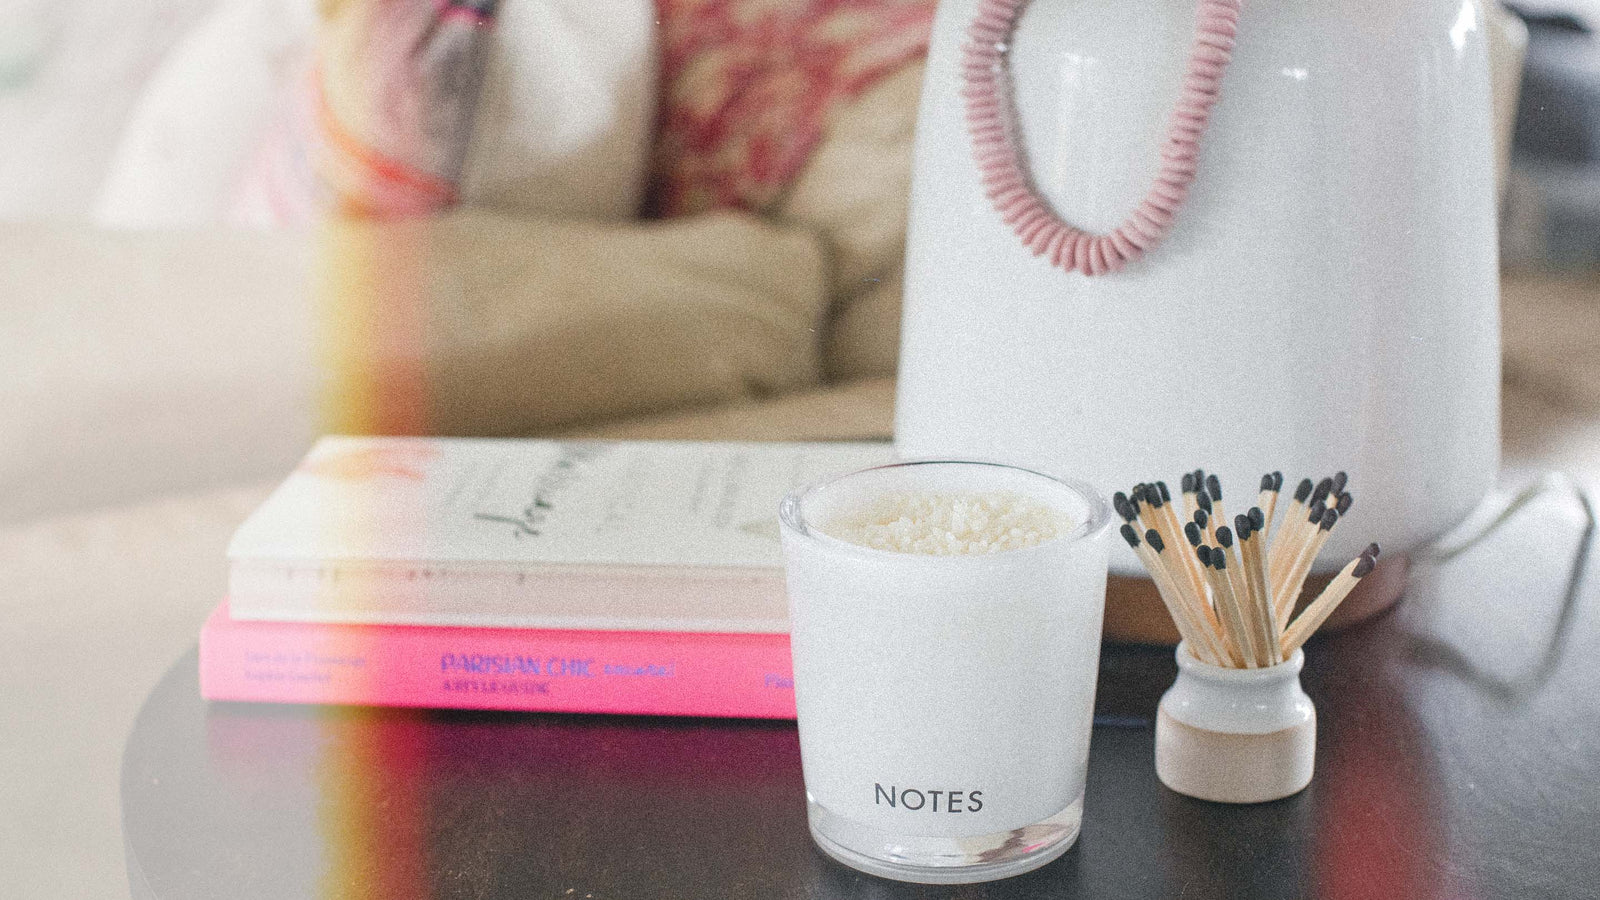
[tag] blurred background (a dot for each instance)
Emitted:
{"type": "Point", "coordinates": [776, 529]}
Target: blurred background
{"type": "Point", "coordinates": [652, 213]}
{"type": "Point", "coordinates": [229, 225]}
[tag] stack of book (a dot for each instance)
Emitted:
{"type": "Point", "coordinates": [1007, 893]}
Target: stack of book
{"type": "Point", "coordinates": [610, 577]}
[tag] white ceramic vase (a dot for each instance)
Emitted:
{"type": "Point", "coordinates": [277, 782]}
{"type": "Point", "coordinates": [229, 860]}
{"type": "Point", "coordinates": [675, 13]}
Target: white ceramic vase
{"type": "Point", "coordinates": [1236, 735]}
{"type": "Point", "coordinates": [1328, 296]}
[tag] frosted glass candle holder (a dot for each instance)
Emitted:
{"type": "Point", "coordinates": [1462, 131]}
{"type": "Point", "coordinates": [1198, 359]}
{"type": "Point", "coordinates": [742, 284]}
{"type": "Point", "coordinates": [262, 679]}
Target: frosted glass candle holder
{"type": "Point", "coordinates": [945, 702]}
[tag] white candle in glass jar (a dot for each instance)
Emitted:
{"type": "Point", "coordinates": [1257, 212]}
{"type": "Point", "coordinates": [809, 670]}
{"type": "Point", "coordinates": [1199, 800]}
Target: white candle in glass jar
{"type": "Point", "coordinates": [945, 694]}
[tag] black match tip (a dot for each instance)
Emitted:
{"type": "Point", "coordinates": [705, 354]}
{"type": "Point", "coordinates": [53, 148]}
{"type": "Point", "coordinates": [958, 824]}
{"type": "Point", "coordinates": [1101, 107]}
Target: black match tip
{"type": "Point", "coordinates": [1343, 505]}
{"type": "Point", "coordinates": [1324, 488]}
{"type": "Point", "coordinates": [1303, 490]}
{"type": "Point", "coordinates": [1364, 566]}
{"type": "Point", "coordinates": [1339, 480]}
{"type": "Point", "coordinates": [1203, 500]}
{"type": "Point", "coordinates": [1277, 481]}
{"type": "Point", "coordinates": [1199, 478]}
{"type": "Point", "coordinates": [1192, 532]}
{"type": "Point", "coordinates": [1201, 517]}
{"type": "Point", "coordinates": [1214, 487]}
{"type": "Point", "coordinates": [1154, 540]}
{"type": "Point", "coordinates": [1129, 535]}
{"type": "Point", "coordinates": [1204, 553]}
{"type": "Point", "coordinates": [1219, 560]}
{"type": "Point", "coordinates": [1225, 536]}
{"type": "Point", "coordinates": [1329, 519]}
{"type": "Point", "coordinates": [1242, 526]}
{"type": "Point", "coordinates": [1119, 502]}
{"type": "Point", "coordinates": [1317, 511]}
{"type": "Point", "coordinates": [1166, 495]}
{"type": "Point", "coordinates": [1266, 483]}
{"type": "Point", "coordinates": [1372, 551]}
{"type": "Point", "coordinates": [1188, 482]}
{"type": "Point", "coordinates": [1258, 519]}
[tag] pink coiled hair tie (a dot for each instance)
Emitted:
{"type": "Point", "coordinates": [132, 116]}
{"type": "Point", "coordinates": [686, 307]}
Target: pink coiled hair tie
{"type": "Point", "coordinates": [1006, 183]}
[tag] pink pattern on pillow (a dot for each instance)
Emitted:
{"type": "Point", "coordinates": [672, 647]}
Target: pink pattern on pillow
{"type": "Point", "coordinates": [748, 86]}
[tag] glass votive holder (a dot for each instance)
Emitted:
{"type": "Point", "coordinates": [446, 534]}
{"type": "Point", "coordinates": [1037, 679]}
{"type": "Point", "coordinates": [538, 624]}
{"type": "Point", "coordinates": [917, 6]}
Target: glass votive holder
{"type": "Point", "coordinates": [1236, 735]}
{"type": "Point", "coordinates": [945, 701]}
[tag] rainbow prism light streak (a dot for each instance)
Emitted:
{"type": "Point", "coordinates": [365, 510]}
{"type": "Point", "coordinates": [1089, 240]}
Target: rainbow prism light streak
{"type": "Point", "coordinates": [394, 89]}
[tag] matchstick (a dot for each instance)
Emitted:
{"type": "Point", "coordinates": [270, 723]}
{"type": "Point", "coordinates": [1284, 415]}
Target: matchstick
{"type": "Point", "coordinates": [1315, 614]}
{"type": "Point", "coordinates": [1203, 516]}
{"type": "Point", "coordinates": [1203, 624]}
{"type": "Point", "coordinates": [1239, 587]}
{"type": "Point", "coordinates": [1164, 522]}
{"type": "Point", "coordinates": [1256, 601]}
{"type": "Point", "coordinates": [1196, 537]}
{"type": "Point", "coordinates": [1291, 521]}
{"type": "Point", "coordinates": [1228, 611]}
{"type": "Point", "coordinates": [1342, 506]}
{"type": "Point", "coordinates": [1174, 530]}
{"type": "Point", "coordinates": [1304, 530]}
{"type": "Point", "coordinates": [1219, 516]}
{"type": "Point", "coordinates": [1267, 495]}
{"type": "Point", "coordinates": [1169, 595]}
{"type": "Point", "coordinates": [1289, 552]}
{"type": "Point", "coordinates": [1232, 595]}
{"type": "Point", "coordinates": [1296, 579]}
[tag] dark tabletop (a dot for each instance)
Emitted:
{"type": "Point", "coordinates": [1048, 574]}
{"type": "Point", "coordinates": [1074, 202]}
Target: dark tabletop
{"type": "Point", "coordinates": [1458, 756]}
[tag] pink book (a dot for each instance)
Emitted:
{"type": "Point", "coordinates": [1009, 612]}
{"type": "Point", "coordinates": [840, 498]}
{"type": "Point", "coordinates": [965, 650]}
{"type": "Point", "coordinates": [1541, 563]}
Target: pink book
{"type": "Point", "coordinates": [529, 669]}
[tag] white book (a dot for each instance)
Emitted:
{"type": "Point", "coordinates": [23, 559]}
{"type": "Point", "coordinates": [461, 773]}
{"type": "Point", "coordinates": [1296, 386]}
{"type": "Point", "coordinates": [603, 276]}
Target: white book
{"type": "Point", "coordinates": [610, 535]}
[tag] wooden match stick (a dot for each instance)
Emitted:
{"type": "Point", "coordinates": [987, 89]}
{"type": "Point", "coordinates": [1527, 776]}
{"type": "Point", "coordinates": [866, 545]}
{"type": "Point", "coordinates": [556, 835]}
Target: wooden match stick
{"type": "Point", "coordinates": [1174, 532]}
{"type": "Point", "coordinates": [1296, 579]}
{"type": "Point", "coordinates": [1202, 623]}
{"type": "Point", "coordinates": [1291, 521]}
{"type": "Point", "coordinates": [1239, 588]}
{"type": "Point", "coordinates": [1309, 621]}
{"type": "Point", "coordinates": [1232, 617]}
{"type": "Point", "coordinates": [1267, 496]}
{"type": "Point", "coordinates": [1169, 595]}
{"type": "Point", "coordinates": [1232, 598]}
{"type": "Point", "coordinates": [1196, 537]}
{"type": "Point", "coordinates": [1290, 552]}
{"type": "Point", "coordinates": [1203, 516]}
{"type": "Point", "coordinates": [1219, 516]}
{"type": "Point", "coordinates": [1256, 560]}
{"type": "Point", "coordinates": [1163, 521]}
{"type": "Point", "coordinates": [1256, 600]}
{"type": "Point", "coordinates": [1304, 530]}
{"type": "Point", "coordinates": [1343, 504]}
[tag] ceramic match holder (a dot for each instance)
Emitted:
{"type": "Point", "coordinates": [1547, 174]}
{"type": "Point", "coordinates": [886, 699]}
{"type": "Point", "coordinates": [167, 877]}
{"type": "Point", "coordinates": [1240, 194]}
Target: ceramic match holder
{"type": "Point", "coordinates": [1236, 735]}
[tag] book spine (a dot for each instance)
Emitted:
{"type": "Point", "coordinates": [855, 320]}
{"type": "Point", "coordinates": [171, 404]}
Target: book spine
{"type": "Point", "coordinates": [538, 670]}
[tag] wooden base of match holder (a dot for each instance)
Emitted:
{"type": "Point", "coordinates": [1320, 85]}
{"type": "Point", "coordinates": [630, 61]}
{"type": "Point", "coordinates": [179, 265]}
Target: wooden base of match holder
{"type": "Point", "coordinates": [1136, 615]}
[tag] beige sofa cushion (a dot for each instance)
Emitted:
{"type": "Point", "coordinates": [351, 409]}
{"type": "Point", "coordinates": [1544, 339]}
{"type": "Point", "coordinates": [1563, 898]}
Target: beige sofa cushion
{"type": "Point", "coordinates": [530, 325]}
{"type": "Point", "coordinates": [143, 363]}
{"type": "Point", "coordinates": [854, 191]}
{"type": "Point", "coordinates": [860, 410]}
